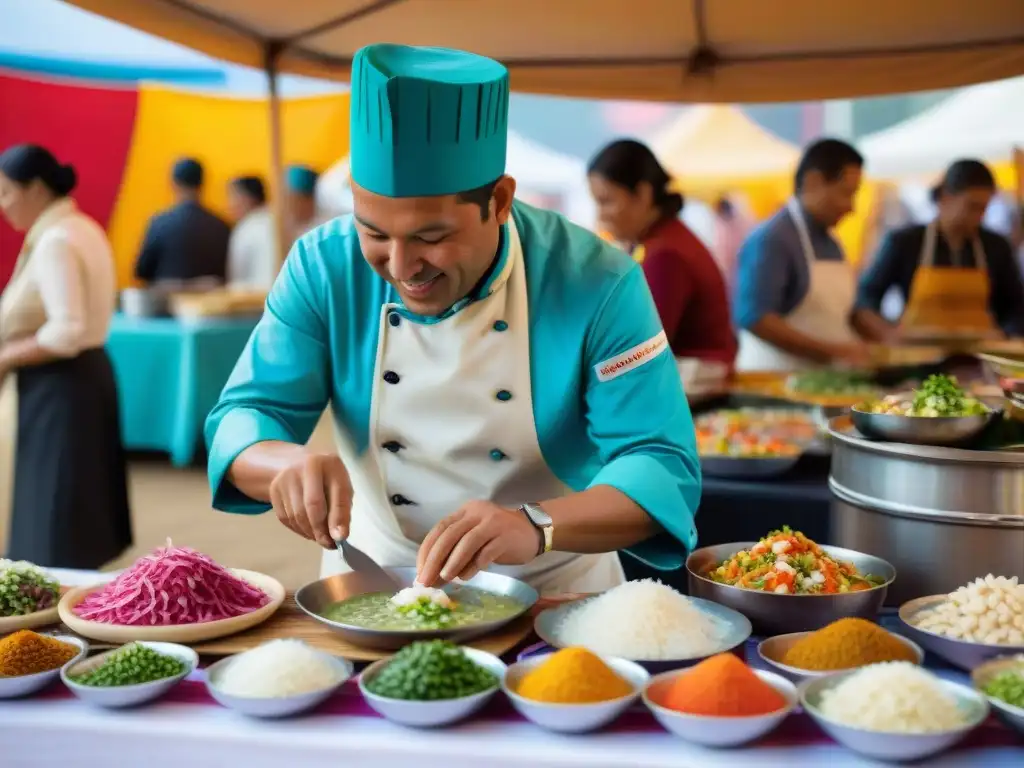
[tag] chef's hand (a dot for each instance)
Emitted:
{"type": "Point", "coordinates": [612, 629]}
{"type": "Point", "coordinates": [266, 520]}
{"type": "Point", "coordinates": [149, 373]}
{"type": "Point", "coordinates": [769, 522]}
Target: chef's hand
{"type": "Point", "coordinates": [857, 354]}
{"type": "Point", "coordinates": [472, 539]}
{"type": "Point", "coordinates": [313, 497]}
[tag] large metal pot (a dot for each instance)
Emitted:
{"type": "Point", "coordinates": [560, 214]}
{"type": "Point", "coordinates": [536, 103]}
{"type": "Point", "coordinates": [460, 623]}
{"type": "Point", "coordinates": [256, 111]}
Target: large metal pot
{"type": "Point", "coordinates": [941, 516]}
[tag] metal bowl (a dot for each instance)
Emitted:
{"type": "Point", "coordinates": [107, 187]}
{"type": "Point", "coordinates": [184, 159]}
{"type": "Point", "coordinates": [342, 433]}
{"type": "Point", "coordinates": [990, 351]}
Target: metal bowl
{"type": "Point", "coordinates": [960, 653]}
{"type": "Point", "coordinates": [774, 649]}
{"type": "Point", "coordinates": [737, 630]}
{"type": "Point", "coordinates": [921, 430]}
{"type": "Point", "coordinates": [1009, 714]}
{"type": "Point", "coordinates": [315, 597]}
{"type": "Point", "coordinates": [746, 466]}
{"type": "Point", "coordinates": [888, 745]}
{"type": "Point", "coordinates": [773, 614]}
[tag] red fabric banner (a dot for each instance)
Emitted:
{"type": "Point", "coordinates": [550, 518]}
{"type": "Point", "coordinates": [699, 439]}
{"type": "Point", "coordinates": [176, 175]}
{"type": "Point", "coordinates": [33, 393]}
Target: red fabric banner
{"type": "Point", "coordinates": [89, 127]}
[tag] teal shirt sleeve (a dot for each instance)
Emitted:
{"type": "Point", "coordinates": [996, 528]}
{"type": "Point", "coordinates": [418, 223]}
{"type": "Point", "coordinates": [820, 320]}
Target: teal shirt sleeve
{"type": "Point", "coordinates": [641, 423]}
{"type": "Point", "coordinates": [281, 383]}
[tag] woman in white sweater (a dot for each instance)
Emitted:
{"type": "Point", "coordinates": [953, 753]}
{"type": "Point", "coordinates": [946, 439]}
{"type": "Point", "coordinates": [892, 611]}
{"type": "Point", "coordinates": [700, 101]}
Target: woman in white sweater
{"type": "Point", "coordinates": [70, 506]}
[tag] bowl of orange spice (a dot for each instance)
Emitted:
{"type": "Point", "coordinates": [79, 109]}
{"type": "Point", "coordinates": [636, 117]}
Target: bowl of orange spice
{"type": "Point", "coordinates": [720, 702]}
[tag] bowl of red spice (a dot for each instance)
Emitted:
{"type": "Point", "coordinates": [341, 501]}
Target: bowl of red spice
{"type": "Point", "coordinates": [720, 702]}
{"type": "Point", "coordinates": [30, 661]}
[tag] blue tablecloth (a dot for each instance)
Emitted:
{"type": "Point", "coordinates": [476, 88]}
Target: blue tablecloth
{"type": "Point", "coordinates": [170, 373]}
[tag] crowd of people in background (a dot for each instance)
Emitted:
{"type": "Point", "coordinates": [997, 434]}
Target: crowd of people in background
{"type": "Point", "coordinates": [783, 295]}
{"type": "Point", "coordinates": [190, 244]}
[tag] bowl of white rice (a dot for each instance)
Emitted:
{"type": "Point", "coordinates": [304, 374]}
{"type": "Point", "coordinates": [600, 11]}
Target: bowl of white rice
{"type": "Point", "coordinates": [894, 710]}
{"type": "Point", "coordinates": [277, 679]}
{"type": "Point", "coordinates": [647, 622]}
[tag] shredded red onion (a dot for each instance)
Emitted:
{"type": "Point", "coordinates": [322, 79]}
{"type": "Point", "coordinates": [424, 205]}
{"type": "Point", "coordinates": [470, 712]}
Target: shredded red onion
{"type": "Point", "coordinates": [171, 586]}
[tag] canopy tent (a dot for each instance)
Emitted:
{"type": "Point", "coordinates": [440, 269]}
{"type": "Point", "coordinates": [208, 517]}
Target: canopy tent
{"type": "Point", "coordinates": [123, 142]}
{"type": "Point", "coordinates": [541, 175]}
{"type": "Point", "coordinates": [671, 50]}
{"type": "Point", "coordinates": [54, 39]}
{"type": "Point", "coordinates": [714, 149]}
{"type": "Point", "coordinates": [984, 122]}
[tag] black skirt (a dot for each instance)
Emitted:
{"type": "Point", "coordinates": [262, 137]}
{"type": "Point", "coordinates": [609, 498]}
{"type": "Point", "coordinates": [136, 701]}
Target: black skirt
{"type": "Point", "coordinates": [70, 485]}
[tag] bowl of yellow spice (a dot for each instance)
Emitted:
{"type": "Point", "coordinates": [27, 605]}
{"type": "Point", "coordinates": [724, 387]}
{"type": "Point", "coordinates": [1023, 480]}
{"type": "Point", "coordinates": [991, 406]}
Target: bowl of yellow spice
{"type": "Point", "coordinates": [844, 644]}
{"type": "Point", "coordinates": [573, 690]}
{"type": "Point", "coordinates": [30, 661]}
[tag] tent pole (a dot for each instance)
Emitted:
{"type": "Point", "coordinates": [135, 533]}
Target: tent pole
{"type": "Point", "coordinates": [271, 54]}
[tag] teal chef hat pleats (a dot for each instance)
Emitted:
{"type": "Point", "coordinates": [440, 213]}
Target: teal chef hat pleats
{"type": "Point", "coordinates": [427, 121]}
{"type": "Point", "coordinates": [301, 179]}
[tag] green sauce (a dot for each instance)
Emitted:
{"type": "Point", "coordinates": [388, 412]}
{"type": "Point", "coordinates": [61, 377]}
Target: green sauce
{"type": "Point", "coordinates": [374, 611]}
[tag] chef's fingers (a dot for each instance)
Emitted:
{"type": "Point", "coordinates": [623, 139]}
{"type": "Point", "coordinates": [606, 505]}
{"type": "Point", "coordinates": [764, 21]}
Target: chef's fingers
{"type": "Point", "coordinates": [339, 511]}
{"type": "Point", "coordinates": [486, 557]}
{"type": "Point", "coordinates": [314, 501]}
{"type": "Point", "coordinates": [432, 537]}
{"type": "Point", "coordinates": [442, 547]}
{"type": "Point", "coordinates": [466, 550]}
{"type": "Point", "coordinates": [297, 510]}
{"type": "Point", "coordinates": [277, 502]}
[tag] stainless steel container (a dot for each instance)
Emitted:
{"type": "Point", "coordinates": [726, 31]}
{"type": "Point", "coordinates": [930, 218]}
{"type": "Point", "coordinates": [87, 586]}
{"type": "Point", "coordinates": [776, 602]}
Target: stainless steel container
{"type": "Point", "coordinates": [941, 516]}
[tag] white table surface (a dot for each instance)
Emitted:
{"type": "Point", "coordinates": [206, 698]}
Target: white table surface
{"type": "Point", "coordinates": [49, 732]}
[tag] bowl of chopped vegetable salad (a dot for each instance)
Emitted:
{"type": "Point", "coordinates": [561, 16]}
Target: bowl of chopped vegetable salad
{"type": "Point", "coordinates": [939, 412]}
{"type": "Point", "coordinates": [765, 580]}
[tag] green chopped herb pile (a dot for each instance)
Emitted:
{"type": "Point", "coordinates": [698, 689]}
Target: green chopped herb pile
{"type": "Point", "coordinates": [428, 613]}
{"type": "Point", "coordinates": [431, 670]}
{"type": "Point", "coordinates": [25, 588]}
{"type": "Point", "coordinates": [1007, 686]}
{"type": "Point", "coordinates": [131, 664]}
{"type": "Point", "coordinates": [941, 395]}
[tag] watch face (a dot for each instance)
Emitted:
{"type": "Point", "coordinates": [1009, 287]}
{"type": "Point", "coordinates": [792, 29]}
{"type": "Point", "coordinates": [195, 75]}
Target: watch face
{"type": "Point", "coordinates": [538, 516]}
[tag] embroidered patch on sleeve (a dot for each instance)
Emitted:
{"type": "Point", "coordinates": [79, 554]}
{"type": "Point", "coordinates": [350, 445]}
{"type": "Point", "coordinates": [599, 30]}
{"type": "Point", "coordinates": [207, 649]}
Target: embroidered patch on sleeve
{"type": "Point", "coordinates": [632, 358]}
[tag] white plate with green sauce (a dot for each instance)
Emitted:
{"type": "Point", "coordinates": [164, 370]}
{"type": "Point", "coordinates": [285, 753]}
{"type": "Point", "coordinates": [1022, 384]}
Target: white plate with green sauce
{"type": "Point", "coordinates": [481, 605]}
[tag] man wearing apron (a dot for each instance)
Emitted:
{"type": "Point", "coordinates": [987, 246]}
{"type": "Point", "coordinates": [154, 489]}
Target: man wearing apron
{"type": "Point", "coordinates": [794, 288]}
{"type": "Point", "coordinates": [955, 276]}
{"type": "Point", "coordinates": [503, 393]}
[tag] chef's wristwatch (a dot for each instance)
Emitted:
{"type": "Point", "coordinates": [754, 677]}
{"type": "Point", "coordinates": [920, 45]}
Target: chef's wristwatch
{"type": "Point", "coordinates": [543, 523]}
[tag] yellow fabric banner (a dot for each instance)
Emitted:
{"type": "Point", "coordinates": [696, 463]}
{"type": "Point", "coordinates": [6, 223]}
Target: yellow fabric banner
{"type": "Point", "coordinates": [229, 136]}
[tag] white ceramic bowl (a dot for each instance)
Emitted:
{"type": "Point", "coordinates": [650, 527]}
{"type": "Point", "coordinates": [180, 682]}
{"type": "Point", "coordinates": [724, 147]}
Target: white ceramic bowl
{"type": "Point", "coordinates": [1009, 714]}
{"type": "Point", "coordinates": [711, 731]}
{"type": "Point", "coordinates": [25, 685]}
{"type": "Point", "coordinates": [278, 706]}
{"type": "Point", "coordinates": [773, 649]}
{"type": "Point", "coordinates": [573, 718]}
{"type": "Point", "coordinates": [889, 746]}
{"type": "Point", "coordinates": [429, 714]}
{"type": "Point", "coordinates": [123, 696]}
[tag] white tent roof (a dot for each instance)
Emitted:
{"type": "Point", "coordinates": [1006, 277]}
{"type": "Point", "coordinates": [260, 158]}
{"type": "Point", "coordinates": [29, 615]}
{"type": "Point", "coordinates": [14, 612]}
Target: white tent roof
{"type": "Point", "coordinates": [669, 50]}
{"type": "Point", "coordinates": [984, 122]}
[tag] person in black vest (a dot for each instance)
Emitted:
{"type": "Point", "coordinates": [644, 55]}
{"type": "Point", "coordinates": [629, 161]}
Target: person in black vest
{"type": "Point", "coordinates": [186, 242]}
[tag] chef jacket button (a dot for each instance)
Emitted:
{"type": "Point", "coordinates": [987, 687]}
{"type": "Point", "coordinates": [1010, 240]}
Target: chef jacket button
{"type": "Point", "coordinates": [497, 454]}
{"type": "Point", "coordinates": [392, 445]}
{"type": "Point", "coordinates": [500, 325]}
{"type": "Point", "coordinates": [504, 395]}
{"type": "Point", "coordinates": [398, 500]}
{"type": "Point", "coordinates": [394, 318]}
{"type": "Point", "coordinates": [391, 377]}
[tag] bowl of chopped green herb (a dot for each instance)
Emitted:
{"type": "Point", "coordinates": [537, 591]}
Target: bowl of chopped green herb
{"type": "Point", "coordinates": [939, 412]}
{"type": "Point", "coordinates": [431, 683]}
{"type": "Point", "coordinates": [1002, 682]}
{"type": "Point", "coordinates": [131, 675]}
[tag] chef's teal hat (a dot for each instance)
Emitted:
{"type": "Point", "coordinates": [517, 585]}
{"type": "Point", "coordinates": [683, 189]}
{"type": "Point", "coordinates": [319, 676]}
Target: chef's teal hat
{"type": "Point", "coordinates": [301, 179]}
{"type": "Point", "coordinates": [427, 121]}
